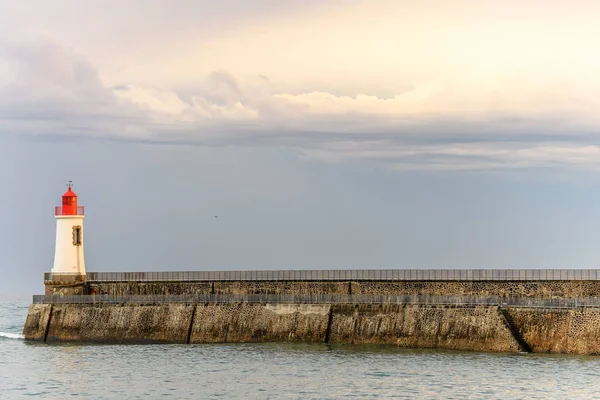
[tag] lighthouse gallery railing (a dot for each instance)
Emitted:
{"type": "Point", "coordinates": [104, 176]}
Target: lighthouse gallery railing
{"type": "Point", "coordinates": [68, 210]}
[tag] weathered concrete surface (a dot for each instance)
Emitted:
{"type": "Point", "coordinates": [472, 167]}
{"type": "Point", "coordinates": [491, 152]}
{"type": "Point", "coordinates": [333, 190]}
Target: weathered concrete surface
{"type": "Point", "coordinates": [282, 287]}
{"type": "Point", "coordinates": [539, 289]}
{"type": "Point", "coordinates": [569, 331]}
{"type": "Point", "coordinates": [235, 287]}
{"type": "Point", "coordinates": [120, 323]}
{"type": "Point", "coordinates": [219, 323]}
{"type": "Point", "coordinates": [465, 328]}
{"type": "Point", "coordinates": [408, 326]}
{"type": "Point", "coordinates": [37, 322]}
{"type": "Point", "coordinates": [65, 288]}
{"type": "Point", "coordinates": [152, 288]}
{"type": "Point", "coordinates": [573, 331]}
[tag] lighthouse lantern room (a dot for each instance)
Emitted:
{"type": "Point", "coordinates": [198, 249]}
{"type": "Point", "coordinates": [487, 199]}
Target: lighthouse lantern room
{"type": "Point", "coordinates": [68, 254]}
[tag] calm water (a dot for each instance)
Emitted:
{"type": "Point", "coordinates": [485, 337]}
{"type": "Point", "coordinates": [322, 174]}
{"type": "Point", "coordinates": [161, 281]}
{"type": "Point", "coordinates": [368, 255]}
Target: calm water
{"type": "Point", "coordinates": [278, 371]}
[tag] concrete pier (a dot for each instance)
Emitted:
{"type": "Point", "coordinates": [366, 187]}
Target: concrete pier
{"type": "Point", "coordinates": [501, 311]}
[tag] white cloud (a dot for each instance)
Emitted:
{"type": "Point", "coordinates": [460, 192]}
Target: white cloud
{"type": "Point", "coordinates": [198, 108]}
{"type": "Point", "coordinates": [387, 82]}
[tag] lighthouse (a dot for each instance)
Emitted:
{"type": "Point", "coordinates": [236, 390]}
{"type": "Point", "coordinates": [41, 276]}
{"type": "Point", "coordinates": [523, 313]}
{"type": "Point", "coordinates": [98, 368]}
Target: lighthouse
{"type": "Point", "coordinates": [68, 254]}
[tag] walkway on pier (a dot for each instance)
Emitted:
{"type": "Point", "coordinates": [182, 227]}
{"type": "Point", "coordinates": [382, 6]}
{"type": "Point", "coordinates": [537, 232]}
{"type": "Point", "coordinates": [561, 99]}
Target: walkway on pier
{"type": "Point", "coordinates": [470, 301]}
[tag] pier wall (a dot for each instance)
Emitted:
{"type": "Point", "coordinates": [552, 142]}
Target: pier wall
{"type": "Point", "coordinates": [38, 321]}
{"type": "Point", "coordinates": [567, 331]}
{"type": "Point", "coordinates": [464, 328]}
{"type": "Point", "coordinates": [573, 329]}
{"type": "Point", "coordinates": [537, 289]}
{"type": "Point", "coordinates": [167, 323]}
{"type": "Point", "coordinates": [461, 328]}
{"type": "Point", "coordinates": [231, 323]}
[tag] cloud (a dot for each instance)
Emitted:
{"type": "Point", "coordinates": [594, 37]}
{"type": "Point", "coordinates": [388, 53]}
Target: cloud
{"type": "Point", "coordinates": [52, 89]}
{"type": "Point", "coordinates": [466, 156]}
{"type": "Point", "coordinates": [221, 99]}
{"type": "Point", "coordinates": [49, 89]}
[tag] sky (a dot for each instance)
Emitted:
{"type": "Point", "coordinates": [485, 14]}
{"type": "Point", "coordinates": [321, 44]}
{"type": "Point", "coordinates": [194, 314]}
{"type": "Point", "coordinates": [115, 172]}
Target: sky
{"type": "Point", "coordinates": [324, 134]}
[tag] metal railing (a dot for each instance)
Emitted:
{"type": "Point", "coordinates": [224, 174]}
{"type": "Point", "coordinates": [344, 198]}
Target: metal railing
{"type": "Point", "coordinates": [346, 275]}
{"type": "Point", "coordinates": [322, 299]}
{"type": "Point", "coordinates": [68, 210]}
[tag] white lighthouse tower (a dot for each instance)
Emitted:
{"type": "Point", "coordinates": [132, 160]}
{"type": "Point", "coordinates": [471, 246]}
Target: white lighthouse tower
{"type": "Point", "coordinates": [68, 254]}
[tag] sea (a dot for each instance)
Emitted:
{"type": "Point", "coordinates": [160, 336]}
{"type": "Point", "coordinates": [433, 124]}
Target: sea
{"type": "Point", "coordinates": [278, 371]}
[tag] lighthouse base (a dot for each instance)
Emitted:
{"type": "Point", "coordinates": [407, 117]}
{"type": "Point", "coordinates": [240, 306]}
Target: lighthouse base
{"type": "Point", "coordinates": [66, 285]}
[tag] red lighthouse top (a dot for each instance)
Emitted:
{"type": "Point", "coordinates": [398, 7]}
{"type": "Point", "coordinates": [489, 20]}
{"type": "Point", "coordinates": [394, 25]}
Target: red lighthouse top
{"type": "Point", "coordinates": [69, 204]}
